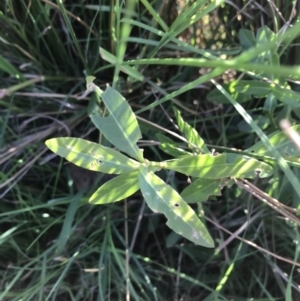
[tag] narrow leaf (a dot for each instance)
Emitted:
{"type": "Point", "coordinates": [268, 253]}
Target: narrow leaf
{"type": "Point", "coordinates": [270, 104]}
{"type": "Point", "coordinates": [6, 66]}
{"type": "Point", "coordinates": [201, 189]}
{"type": "Point", "coordinates": [173, 150]}
{"type": "Point", "coordinates": [170, 147]}
{"type": "Point", "coordinates": [182, 219]}
{"type": "Point", "coordinates": [120, 127]}
{"type": "Point", "coordinates": [116, 189]}
{"type": "Point", "coordinates": [66, 230]}
{"type": "Point", "coordinates": [221, 166]}
{"type": "Point", "coordinates": [92, 156]}
{"type": "Point", "coordinates": [262, 121]}
{"type": "Point", "coordinates": [107, 56]}
{"type": "Point", "coordinates": [190, 134]}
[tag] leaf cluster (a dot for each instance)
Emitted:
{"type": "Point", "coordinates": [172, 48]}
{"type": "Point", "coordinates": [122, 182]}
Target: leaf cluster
{"type": "Point", "coordinates": [211, 171]}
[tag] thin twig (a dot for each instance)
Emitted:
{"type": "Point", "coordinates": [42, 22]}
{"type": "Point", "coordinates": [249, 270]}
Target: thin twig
{"type": "Point", "coordinates": [268, 200]}
{"type": "Point", "coordinates": [250, 243]}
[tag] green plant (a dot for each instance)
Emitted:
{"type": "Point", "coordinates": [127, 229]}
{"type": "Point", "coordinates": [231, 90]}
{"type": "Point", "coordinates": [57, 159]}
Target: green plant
{"type": "Point", "coordinates": [54, 245]}
{"type": "Point", "coordinates": [121, 128]}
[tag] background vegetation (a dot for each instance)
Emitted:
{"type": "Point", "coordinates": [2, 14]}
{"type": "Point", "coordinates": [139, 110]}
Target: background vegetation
{"type": "Point", "coordinates": [56, 246]}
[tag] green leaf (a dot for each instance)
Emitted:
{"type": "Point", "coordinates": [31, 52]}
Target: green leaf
{"type": "Point", "coordinates": [89, 81]}
{"type": "Point", "coordinates": [68, 224]}
{"type": "Point", "coordinates": [182, 219]}
{"type": "Point", "coordinates": [217, 96]}
{"type": "Point", "coordinates": [264, 34]}
{"type": "Point", "coordinates": [173, 150]}
{"type": "Point", "coordinates": [126, 69]}
{"type": "Point", "coordinates": [221, 166]}
{"type": "Point", "coordinates": [270, 104]}
{"type": "Point", "coordinates": [250, 87]}
{"type": "Point", "coordinates": [201, 189]}
{"type": "Point", "coordinates": [170, 147]}
{"type": "Point", "coordinates": [116, 189]}
{"type": "Point", "coordinates": [247, 39]}
{"type": "Point", "coordinates": [190, 134]}
{"type": "Point", "coordinates": [92, 156]}
{"type": "Point", "coordinates": [280, 141]}
{"type": "Point", "coordinates": [242, 90]}
{"type": "Point", "coordinates": [287, 96]}
{"type": "Point", "coordinates": [120, 127]}
{"type": "Point", "coordinates": [262, 121]}
{"type": "Point", "coordinates": [6, 66]}
{"type": "Point", "coordinates": [262, 89]}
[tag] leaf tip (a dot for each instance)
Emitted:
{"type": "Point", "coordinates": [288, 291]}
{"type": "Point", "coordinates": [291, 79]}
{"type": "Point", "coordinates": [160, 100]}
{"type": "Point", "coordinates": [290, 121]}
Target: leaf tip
{"type": "Point", "coordinates": [48, 142]}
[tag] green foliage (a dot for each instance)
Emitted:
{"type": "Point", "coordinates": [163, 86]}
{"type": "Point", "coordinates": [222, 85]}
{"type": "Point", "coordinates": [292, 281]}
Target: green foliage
{"type": "Point", "coordinates": [170, 147]}
{"type": "Point", "coordinates": [116, 189]}
{"type": "Point", "coordinates": [122, 130]}
{"type": "Point", "coordinates": [201, 189]}
{"type": "Point", "coordinates": [281, 142]}
{"type": "Point", "coordinates": [162, 198]}
{"type": "Point", "coordinates": [120, 127]}
{"type": "Point", "coordinates": [208, 166]}
{"type": "Point", "coordinates": [56, 246]}
{"type": "Point", "coordinates": [92, 156]}
{"type": "Point", "coordinates": [196, 143]}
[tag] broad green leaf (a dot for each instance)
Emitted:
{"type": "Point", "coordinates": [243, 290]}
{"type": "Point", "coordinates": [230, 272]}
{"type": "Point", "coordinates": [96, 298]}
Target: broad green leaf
{"type": "Point", "coordinates": [182, 219]}
{"type": "Point", "coordinates": [270, 57]}
{"type": "Point", "coordinates": [250, 87]}
{"type": "Point", "coordinates": [190, 134]}
{"type": "Point", "coordinates": [287, 96]}
{"type": "Point", "coordinates": [264, 34]}
{"type": "Point", "coordinates": [221, 166]}
{"type": "Point", "coordinates": [170, 147]}
{"type": "Point", "coordinates": [247, 39]}
{"type": "Point", "coordinates": [201, 189]}
{"type": "Point", "coordinates": [281, 142]}
{"type": "Point", "coordinates": [92, 156]}
{"type": "Point", "coordinates": [120, 127]}
{"type": "Point", "coordinates": [116, 189]}
{"type": "Point", "coordinates": [242, 90]}
{"type": "Point", "coordinates": [262, 89]}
